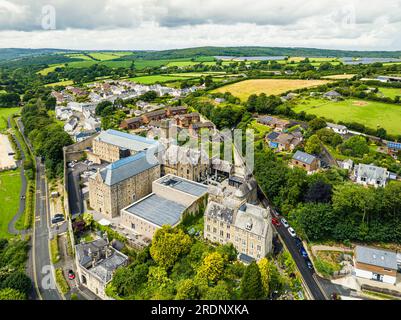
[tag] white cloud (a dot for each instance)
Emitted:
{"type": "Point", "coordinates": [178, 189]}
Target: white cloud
{"type": "Point", "coordinates": [162, 24]}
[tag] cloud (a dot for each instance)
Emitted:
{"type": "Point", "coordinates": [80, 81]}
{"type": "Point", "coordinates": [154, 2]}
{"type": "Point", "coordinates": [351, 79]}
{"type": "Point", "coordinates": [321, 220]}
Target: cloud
{"type": "Point", "coordinates": [158, 24]}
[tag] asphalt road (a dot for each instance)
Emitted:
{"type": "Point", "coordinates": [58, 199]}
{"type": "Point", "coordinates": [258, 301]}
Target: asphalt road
{"type": "Point", "coordinates": [44, 274]}
{"type": "Point", "coordinates": [309, 277]}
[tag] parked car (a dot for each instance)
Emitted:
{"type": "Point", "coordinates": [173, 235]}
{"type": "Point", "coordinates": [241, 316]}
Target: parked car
{"type": "Point", "coordinates": [276, 222]}
{"type": "Point", "coordinates": [303, 252]}
{"type": "Point", "coordinates": [291, 231]}
{"type": "Point", "coordinates": [71, 275]}
{"type": "Point", "coordinates": [309, 264]}
{"type": "Point", "coordinates": [298, 242]}
{"type": "Point", "coordinates": [57, 218]}
{"type": "Point", "coordinates": [275, 213]}
{"type": "Point", "coordinates": [284, 222]}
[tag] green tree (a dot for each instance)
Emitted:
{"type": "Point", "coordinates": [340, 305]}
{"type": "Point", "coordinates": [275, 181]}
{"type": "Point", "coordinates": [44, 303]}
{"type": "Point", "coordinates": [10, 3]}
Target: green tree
{"type": "Point", "coordinates": [251, 283]}
{"type": "Point", "coordinates": [186, 290]}
{"type": "Point", "coordinates": [11, 294]}
{"type": "Point", "coordinates": [313, 145]}
{"type": "Point", "coordinates": [219, 292]}
{"type": "Point", "coordinates": [317, 124]}
{"type": "Point", "coordinates": [212, 267]}
{"type": "Point", "coordinates": [168, 245]}
{"type": "Point", "coordinates": [355, 146]}
{"type": "Point", "coordinates": [18, 280]}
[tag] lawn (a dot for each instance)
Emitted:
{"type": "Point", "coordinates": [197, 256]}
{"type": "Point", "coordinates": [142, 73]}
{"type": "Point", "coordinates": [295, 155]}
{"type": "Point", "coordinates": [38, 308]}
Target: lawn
{"type": "Point", "coordinates": [4, 114]}
{"type": "Point", "coordinates": [10, 187]}
{"type": "Point", "coordinates": [260, 130]}
{"type": "Point", "coordinates": [391, 92]}
{"type": "Point", "coordinates": [245, 88]}
{"type": "Point", "coordinates": [371, 114]}
{"type": "Point", "coordinates": [156, 78]}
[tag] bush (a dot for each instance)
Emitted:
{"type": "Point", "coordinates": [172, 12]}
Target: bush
{"type": "Point", "coordinates": [61, 282]}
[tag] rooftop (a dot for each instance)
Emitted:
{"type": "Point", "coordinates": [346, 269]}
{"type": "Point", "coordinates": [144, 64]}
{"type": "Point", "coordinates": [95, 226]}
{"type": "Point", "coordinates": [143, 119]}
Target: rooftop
{"type": "Point", "coordinates": [376, 257]}
{"type": "Point", "coordinates": [252, 219]}
{"type": "Point", "coordinates": [183, 185]}
{"type": "Point", "coordinates": [125, 140]}
{"type": "Point", "coordinates": [394, 145]}
{"type": "Point", "coordinates": [126, 168]}
{"type": "Point", "coordinates": [337, 126]}
{"type": "Point", "coordinates": [370, 172]}
{"type": "Point", "coordinates": [304, 157]}
{"type": "Point", "coordinates": [157, 210]}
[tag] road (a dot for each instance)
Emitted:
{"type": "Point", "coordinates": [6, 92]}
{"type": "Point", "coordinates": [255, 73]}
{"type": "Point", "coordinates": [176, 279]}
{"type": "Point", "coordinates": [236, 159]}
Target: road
{"type": "Point", "coordinates": [309, 277]}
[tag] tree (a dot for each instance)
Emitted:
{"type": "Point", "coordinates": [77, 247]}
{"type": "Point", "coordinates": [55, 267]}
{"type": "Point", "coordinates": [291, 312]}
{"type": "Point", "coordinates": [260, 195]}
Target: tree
{"type": "Point", "coordinates": [11, 294]}
{"type": "Point", "coordinates": [101, 106]}
{"type": "Point", "coordinates": [317, 124]}
{"type": "Point", "coordinates": [219, 292]}
{"type": "Point", "coordinates": [355, 146]}
{"type": "Point", "coordinates": [212, 267]}
{"type": "Point", "coordinates": [319, 191]}
{"type": "Point", "coordinates": [168, 245]}
{"type": "Point", "coordinates": [381, 133]}
{"type": "Point", "coordinates": [264, 269]}
{"type": "Point", "coordinates": [251, 283]}
{"type": "Point", "coordinates": [313, 145]}
{"type": "Point", "coordinates": [18, 280]}
{"type": "Point", "coordinates": [186, 290]}
{"type": "Point", "coordinates": [158, 277]}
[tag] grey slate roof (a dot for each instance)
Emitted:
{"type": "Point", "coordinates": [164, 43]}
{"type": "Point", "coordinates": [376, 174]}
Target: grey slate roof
{"type": "Point", "coordinates": [126, 168]}
{"type": "Point", "coordinates": [220, 212]}
{"type": "Point", "coordinates": [304, 157]}
{"type": "Point", "coordinates": [370, 172]}
{"type": "Point", "coordinates": [273, 135]}
{"type": "Point", "coordinates": [125, 140]}
{"type": "Point", "coordinates": [376, 257]}
{"type": "Point", "coordinates": [157, 210]}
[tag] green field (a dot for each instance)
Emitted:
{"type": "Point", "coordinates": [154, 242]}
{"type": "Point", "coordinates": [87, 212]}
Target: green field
{"type": "Point", "coordinates": [102, 56]}
{"type": "Point", "coordinates": [391, 92]}
{"type": "Point", "coordinates": [157, 78]}
{"type": "Point", "coordinates": [61, 83]}
{"type": "Point", "coordinates": [371, 114]}
{"type": "Point", "coordinates": [79, 56]}
{"type": "Point", "coordinates": [4, 114]}
{"type": "Point", "coordinates": [10, 187]}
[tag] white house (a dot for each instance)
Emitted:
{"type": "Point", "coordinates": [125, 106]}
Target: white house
{"type": "Point", "coordinates": [91, 123]}
{"type": "Point", "coordinates": [337, 128]}
{"type": "Point", "coordinates": [369, 175]}
{"type": "Point", "coordinates": [75, 106]}
{"type": "Point", "coordinates": [71, 125]}
{"type": "Point", "coordinates": [375, 264]}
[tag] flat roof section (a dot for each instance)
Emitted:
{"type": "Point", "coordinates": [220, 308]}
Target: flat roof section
{"type": "Point", "coordinates": [157, 210]}
{"type": "Point", "coordinates": [180, 184]}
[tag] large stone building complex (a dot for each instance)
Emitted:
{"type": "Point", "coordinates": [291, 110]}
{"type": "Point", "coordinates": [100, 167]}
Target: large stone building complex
{"type": "Point", "coordinates": [113, 145]}
{"type": "Point", "coordinates": [121, 183]}
{"type": "Point", "coordinates": [244, 225]}
{"type": "Point", "coordinates": [172, 198]}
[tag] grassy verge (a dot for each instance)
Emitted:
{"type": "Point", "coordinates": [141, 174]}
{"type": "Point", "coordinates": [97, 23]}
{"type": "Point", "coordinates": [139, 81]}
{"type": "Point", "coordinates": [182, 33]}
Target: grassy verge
{"type": "Point", "coordinates": [54, 250]}
{"type": "Point", "coordinates": [326, 263]}
{"type": "Point", "coordinates": [61, 281]}
{"type": "Point", "coordinates": [379, 295]}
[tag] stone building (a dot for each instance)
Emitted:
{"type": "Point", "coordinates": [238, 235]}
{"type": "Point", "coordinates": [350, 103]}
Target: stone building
{"type": "Point", "coordinates": [96, 263]}
{"type": "Point", "coordinates": [305, 161]}
{"type": "Point", "coordinates": [172, 198]}
{"type": "Point", "coordinates": [113, 145]}
{"type": "Point", "coordinates": [244, 225]}
{"type": "Point", "coordinates": [121, 183]}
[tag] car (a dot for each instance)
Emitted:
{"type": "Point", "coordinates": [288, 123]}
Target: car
{"type": "Point", "coordinates": [22, 197]}
{"type": "Point", "coordinates": [303, 252]}
{"type": "Point", "coordinates": [291, 231]}
{"type": "Point", "coordinates": [309, 264]}
{"type": "Point", "coordinates": [298, 242]}
{"type": "Point", "coordinates": [285, 223]}
{"type": "Point", "coordinates": [276, 214]}
{"type": "Point", "coordinates": [57, 218]}
{"type": "Point", "coordinates": [71, 275]}
{"type": "Point", "coordinates": [276, 222]}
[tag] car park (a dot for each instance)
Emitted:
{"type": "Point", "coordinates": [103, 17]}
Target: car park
{"type": "Point", "coordinates": [291, 231]}
{"type": "Point", "coordinates": [285, 223]}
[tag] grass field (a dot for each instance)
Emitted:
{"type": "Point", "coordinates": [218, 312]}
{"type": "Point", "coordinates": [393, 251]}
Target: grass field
{"type": "Point", "coordinates": [157, 78]}
{"type": "Point", "coordinates": [339, 76]}
{"type": "Point", "coordinates": [371, 114]}
{"type": "Point", "coordinates": [61, 83]}
{"type": "Point", "coordinates": [245, 88]}
{"type": "Point", "coordinates": [102, 56]}
{"type": "Point", "coordinates": [4, 114]}
{"type": "Point", "coordinates": [391, 92]}
{"type": "Point", "coordinates": [10, 187]}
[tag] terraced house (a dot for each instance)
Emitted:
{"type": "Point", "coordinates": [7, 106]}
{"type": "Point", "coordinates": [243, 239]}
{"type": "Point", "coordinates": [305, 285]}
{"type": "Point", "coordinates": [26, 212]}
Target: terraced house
{"type": "Point", "coordinates": [121, 183]}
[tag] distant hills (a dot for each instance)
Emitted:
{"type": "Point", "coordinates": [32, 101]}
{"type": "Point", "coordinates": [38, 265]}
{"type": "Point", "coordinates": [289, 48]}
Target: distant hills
{"type": "Point", "coordinates": [16, 53]}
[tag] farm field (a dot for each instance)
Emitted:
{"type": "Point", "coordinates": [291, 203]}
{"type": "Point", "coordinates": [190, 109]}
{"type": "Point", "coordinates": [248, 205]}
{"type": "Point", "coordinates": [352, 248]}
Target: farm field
{"type": "Point", "coordinates": [10, 186]}
{"type": "Point", "coordinates": [339, 76]}
{"type": "Point", "coordinates": [371, 114]}
{"type": "Point", "coordinates": [61, 83]}
{"type": "Point", "coordinates": [245, 88]}
{"type": "Point", "coordinates": [391, 92]}
{"type": "Point", "coordinates": [157, 78]}
{"type": "Point", "coordinates": [102, 56]}
{"type": "Point", "coordinates": [4, 114]}
{"type": "Point", "coordinates": [78, 56]}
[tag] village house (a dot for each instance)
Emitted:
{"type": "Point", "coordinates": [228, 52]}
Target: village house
{"type": "Point", "coordinates": [173, 111]}
{"type": "Point", "coordinates": [244, 225]}
{"type": "Point", "coordinates": [131, 124]}
{"type": "Point", "coordinates": [59, 97]}
{"type": "Point", "coordinates": [370, 175]}
{"type": "Point", "coordinates": [185, 120]}
{"type": "Point", "coordinates": [122, 182]}
{"type": "Point", "coordinates": [92, 123]}
{"type": "Point", "coordinates": [195, 128]}
{"type": "Point", "coordinates": [154, 115]}
{"type": "Point", "coordinates": [375, 264]}
{"type": "Point", "coordinates": [394, 149]}
{"type": "Point", "coordinates": [284, 141]}
{"type": "Point", "coordinates": [172, 198]}
{"type": "Point", "coordinates": [337, 128]}
{"type": "Point", "coordinates": [332, 95]}
{"type": "Point", "coordinates": [305, 161]}
{"type": "Point", "coordinates": [63, 113]}
{"type": "Point", "coordinates": [276, 124]}
{"type": "Point", "coordinates": [96, 262]}
{"type": "Point", "coordinates": [71, 125]}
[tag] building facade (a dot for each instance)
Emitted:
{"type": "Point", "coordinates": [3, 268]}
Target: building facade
{"type": "Point", "coordinates": [122, 183]}
{"type": "Point", "coordinates": [305, 161]}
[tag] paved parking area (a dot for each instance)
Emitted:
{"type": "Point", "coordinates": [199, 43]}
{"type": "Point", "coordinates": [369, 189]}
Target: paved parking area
{"type": "Point", "coordinates": [7, 162]}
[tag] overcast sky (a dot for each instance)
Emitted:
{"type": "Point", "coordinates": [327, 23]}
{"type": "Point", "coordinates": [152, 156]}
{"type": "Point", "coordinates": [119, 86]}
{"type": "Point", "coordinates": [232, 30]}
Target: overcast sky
{"type": "Point", "coordinates": [165, 24]}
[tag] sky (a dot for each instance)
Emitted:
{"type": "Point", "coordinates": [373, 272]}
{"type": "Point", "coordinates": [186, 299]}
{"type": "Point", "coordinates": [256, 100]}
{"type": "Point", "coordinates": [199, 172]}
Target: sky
{"type": "Point", "coordinates": [168, 24]}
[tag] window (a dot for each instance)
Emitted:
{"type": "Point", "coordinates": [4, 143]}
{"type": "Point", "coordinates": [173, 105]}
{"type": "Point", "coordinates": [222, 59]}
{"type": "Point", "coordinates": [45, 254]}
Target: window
{"type": "Point", "coordinates": [221, 233]}
{"type": "Point", "coordinates": [133, 226]}
{"type": "Point", "coordinates": [208, 228]}
{"type": "Point", "coordinates": [228, 236]}
{"type": "Point", "coordinates": [214, 230]}
{"type": "Point", "coordinates": [259, 248]}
